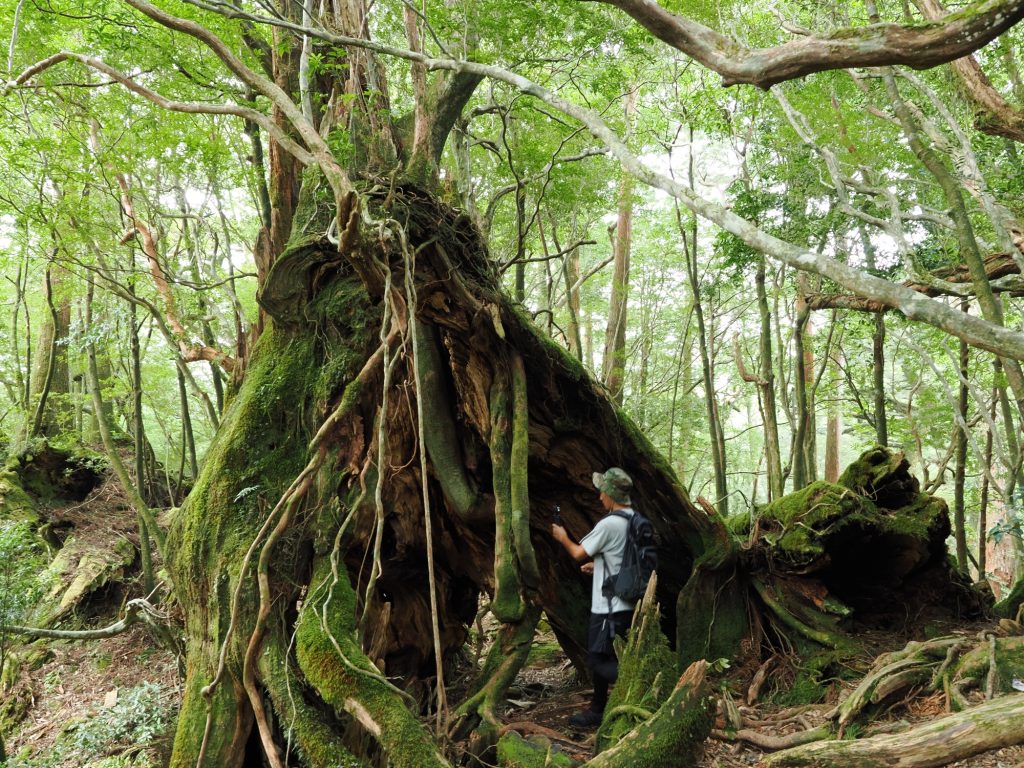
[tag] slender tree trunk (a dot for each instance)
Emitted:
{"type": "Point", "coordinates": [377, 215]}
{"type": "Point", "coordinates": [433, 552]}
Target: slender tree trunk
{"type": "Point", "coordinates": [960, 473]}
{"type": "Point", "coordinates": [188, 442]}
{"type": "Point", "coordinates": [615, 333]}
{"type": "Point", "coordinates": [520, 291]}
{"type": "Point", "coordinates": [571, 273]}
{"type": "Point", "coordinates": [717, 438]}
{"type": "Point", "coordinates": [146, 518]}
{"type": "Point", "coordinates": [801, 473]}
{"type": "Point", "coordinates": [833, 443]}
{"type": "Point", "coordinates": [48, 349]}
{"type": "Point", "coordinates": [766, 384]}
{"type": "Point", "coordinates": [983, 505]}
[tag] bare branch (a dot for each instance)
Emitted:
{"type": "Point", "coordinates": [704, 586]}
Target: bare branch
{"type": "Point", "coordinates": [918, 46]}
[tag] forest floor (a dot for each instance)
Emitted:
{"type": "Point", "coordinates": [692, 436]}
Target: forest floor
{"type": "Point", "coordinates": [111, 703]}
{"type": "Point", "coordinates": [548, 691]}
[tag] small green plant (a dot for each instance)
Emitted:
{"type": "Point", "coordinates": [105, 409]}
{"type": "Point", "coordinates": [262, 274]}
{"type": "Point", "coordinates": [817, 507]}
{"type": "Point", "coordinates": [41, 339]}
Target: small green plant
{"type": "Point", "coordinates": [22, 557]}
{"type": "Point", "coordinates": [117, 737]}
{"type": "Point", "coordinates": [139, 717]}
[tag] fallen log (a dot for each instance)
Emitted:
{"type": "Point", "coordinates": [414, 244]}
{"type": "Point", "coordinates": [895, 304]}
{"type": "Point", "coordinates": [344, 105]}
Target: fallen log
{"type": "Point", "coordinates": [992, 725]}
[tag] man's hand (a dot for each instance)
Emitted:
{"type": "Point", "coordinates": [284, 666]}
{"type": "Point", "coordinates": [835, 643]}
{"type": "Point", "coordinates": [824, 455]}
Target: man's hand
{"type": "Point", "coordinates": [587, 568]}
{"type": "Point", "coordinates": [559, 533]}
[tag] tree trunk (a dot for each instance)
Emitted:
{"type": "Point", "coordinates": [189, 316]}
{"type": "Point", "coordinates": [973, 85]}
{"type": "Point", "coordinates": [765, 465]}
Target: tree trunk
{"type": "Point", "coordinates": [615, 334]}
{"type": "Point", "coordinates": [767, 389]}
{"type": "Point", "coordinates": [50, 379]}
{"type": "Point", "coordinates": [960, 472]}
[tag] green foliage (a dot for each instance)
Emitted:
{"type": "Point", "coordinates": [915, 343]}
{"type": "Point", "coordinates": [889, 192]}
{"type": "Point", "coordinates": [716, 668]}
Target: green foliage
{"type": "Point", "coordinates": [137, 722]}
{"type": "Point", "coordinates": [22, 558]}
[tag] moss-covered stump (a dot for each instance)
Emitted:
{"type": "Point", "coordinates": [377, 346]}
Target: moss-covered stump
{"type": "Point", "coordinates": [871, 545]}
{"type": "Point", "coordinates": [674, 735]}
{"type": "Point", "coordinates": [647, 671]}
{"type": "Point", "coordinates": [53, 472]}
{"type": "Point", "coordinates": [1010, 606]}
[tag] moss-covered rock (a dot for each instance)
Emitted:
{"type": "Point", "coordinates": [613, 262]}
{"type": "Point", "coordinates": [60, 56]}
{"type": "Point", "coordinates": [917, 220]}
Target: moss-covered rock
{"type": "Point", "coordinates": [80, 569]}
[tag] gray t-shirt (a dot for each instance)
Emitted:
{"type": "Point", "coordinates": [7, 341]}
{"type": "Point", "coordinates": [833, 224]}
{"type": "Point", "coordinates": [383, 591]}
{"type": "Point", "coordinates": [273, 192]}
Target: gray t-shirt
{"type": "Point", "coordinates": [606, 544]}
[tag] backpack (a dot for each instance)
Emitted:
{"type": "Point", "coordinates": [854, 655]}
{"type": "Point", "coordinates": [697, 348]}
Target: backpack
{"type": "Point", "coordinates": [639, 560]}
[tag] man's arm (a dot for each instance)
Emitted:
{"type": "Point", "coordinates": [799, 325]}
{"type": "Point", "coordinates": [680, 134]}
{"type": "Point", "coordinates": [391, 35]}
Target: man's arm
{"type": "Point", "coordinates": [579, 554]}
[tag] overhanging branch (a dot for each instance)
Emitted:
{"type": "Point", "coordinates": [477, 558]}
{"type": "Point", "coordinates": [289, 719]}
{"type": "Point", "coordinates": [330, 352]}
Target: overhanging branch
{"type": "Point", "coordinates": [919, 46]}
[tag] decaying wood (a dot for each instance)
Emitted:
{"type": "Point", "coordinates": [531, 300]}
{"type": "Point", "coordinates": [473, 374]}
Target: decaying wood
{"type": "Point", "coordinates": [991, 725]}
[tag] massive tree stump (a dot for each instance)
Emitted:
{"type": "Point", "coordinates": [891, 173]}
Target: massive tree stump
{"type": "Point", "coordinates": [314, 486]}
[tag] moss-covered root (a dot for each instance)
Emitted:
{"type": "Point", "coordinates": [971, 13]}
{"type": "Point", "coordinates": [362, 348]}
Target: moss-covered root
{"type": "Point", "coordinates": [712, 610]}
{"type": "Point", "coordinates": [991, 665]}
{"type": "Point", "coordinates": [995, 724]}
{"type": "Point", "coordinates": [647, 670]}
{"type": "Point", "coordinates": [895, 673]}
{"type": "Point", "coordinates": [1010, 606]}
{"type": "Point", "coordinates": [335, 666]}
{"type": "Point", "coordinates": [674, 735]}
{"type": "Point", "coordinates": [307, 730]}
{"type": "Point", "coordinates": [536, 752]}
{"type": "Point", "coordinates": [516, 574]}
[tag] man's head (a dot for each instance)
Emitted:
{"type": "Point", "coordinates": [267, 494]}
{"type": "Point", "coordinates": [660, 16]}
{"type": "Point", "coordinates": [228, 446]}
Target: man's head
{"type": "Point", "coordinates": [615, 484]}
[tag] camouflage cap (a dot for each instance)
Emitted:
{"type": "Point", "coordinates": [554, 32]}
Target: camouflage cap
{"type": "Point", "coordinates": [616, 483]}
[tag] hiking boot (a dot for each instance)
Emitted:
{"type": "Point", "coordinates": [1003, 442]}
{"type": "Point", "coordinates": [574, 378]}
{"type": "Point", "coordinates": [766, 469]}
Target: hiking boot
{"type": "Point", "coordinates": [587, 718]}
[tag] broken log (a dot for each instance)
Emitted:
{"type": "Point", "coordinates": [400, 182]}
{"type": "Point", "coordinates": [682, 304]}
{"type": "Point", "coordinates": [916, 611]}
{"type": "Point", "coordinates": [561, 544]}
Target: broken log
{"type": "Point", "coordinates": [992, 725]}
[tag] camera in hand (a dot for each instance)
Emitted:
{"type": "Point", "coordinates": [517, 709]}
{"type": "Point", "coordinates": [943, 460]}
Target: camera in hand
{"type": "Point", "coordinates": [558, 516]}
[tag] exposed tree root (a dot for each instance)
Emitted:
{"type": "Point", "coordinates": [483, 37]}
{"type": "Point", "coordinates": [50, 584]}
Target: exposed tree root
{"type": "Point", "coordinates": [136, 611]}
{"type": "Point", "coordinates": [770, 743]}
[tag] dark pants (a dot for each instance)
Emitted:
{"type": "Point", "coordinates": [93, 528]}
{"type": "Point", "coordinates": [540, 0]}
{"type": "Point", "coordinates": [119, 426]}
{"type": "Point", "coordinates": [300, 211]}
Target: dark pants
{"type": "Point", "coordinates": [604, 667]}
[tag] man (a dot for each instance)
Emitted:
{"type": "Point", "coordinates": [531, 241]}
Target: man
{"type": "Point", "coordinates": [609, 615]}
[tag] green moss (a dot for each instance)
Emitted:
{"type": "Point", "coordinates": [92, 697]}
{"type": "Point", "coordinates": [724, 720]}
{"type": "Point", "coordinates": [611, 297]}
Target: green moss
{"type": "Point", "coordinates": [15, 504]}
{"type": "Point", "coordinates": [1009, 606]}
{"type": "Point", "coordinates": [648, 672]}
{"type": "Point", "coordinates": [313, 211]}
{"type": "Point", "coordinates": [536, 752]}
{"type": "Point", "coordinates": [334, 664]}
{"type": "Point", "coordinates": [543, 654]}
{"type": "Point", "coordinates": [313, 734]}
{"type": "Point", "coordinates": [711, 612]}
{"type": "Point", "coordinates": [974, 665]}
{"type": "Point", "coordinates": [798, 523]}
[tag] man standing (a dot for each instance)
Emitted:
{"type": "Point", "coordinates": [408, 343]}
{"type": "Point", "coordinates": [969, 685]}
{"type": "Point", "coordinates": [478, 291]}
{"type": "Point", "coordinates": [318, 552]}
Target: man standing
{"type": "Point", "coordinates": [610, 616]}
